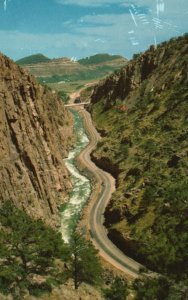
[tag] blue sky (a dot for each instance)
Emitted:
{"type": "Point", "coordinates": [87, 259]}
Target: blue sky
{"type": "Point", "coordinates": [82, 28]}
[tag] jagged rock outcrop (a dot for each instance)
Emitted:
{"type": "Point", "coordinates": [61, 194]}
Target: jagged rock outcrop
{"type": "Point", "coordinates": [121, 84]}
{"type": "Point", "coordinates": [35, 135]}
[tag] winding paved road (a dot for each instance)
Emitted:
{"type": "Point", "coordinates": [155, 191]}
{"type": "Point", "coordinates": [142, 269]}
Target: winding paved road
{"type": "Point", "coordinates": [96, 211]}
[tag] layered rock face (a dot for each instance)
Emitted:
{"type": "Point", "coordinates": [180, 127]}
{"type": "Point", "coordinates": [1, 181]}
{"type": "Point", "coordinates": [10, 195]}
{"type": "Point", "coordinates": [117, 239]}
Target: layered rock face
{"type": "Point", "coordinates": [35, 135]}
{"type": "Point", "coordinates": [155, 62]}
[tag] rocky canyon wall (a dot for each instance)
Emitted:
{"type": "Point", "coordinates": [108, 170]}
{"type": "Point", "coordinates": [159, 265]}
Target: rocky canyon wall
{"type": "Point", "coordinates": [35, 135]}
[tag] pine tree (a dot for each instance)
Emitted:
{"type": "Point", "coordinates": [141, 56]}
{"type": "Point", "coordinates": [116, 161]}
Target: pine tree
{"type": "Point", "coordinates": [117, 291]}
{"type": "Point", "coordinates": [28, 249]}
{"type": "Point", "coordinates": [84, 262]}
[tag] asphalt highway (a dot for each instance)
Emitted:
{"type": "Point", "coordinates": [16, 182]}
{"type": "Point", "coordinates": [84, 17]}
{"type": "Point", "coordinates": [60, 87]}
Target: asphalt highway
{"type": "Point", "coordinates": [97, 230]}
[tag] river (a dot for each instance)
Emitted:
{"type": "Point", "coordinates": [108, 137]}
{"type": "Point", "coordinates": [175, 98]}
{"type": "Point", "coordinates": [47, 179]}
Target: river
{"type": "Point", "coordinates": [71, 211]}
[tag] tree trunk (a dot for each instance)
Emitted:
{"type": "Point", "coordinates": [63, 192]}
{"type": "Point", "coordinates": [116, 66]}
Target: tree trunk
{"type": "Point", "coordinates": [76, 282]}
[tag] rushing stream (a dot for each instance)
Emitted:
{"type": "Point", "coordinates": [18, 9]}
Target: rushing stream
{"type": "Point", "coordinates": [70, 212]}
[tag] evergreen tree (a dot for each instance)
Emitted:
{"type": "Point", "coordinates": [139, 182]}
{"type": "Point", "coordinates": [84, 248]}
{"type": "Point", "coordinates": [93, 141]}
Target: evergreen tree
{"type": "Point", "coordinates": [84, 262]}
{"type": "Point", "coordinates": [117, 291]}
{"type": "Point", "coordinates": [152, 288]}
{"type": "Point", "coordinates": [28, 249]}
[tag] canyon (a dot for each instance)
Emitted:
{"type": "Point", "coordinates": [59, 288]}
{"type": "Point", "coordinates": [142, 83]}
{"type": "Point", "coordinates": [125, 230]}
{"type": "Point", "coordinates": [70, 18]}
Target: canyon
{"type": "Point", "coordinates": [141, 115]}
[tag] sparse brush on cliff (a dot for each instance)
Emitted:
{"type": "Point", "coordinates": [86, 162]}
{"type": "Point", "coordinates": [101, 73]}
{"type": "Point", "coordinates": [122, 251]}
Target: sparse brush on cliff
{"type": "Point", "coordinates": [147, 144]}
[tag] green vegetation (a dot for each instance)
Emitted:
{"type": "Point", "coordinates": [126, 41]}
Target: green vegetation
{"type": "Point", "coordinates": [160, 288]}
{"type": "Point", "coordinates": [98, 58]}
{"type": "Point", "coordinates": [28, 253]}
{"type": "Point", "coordinates": [84, 263]}
{"type": "Point", "coordinates": [63, 96]}
{"type": "Point", "coordinates": [117, 291]}
{"type": "Point", "coordinates": [33, 59]}
{"type": "Point", "coordinates": [85, 94]}
{"type": "Point", "coordinates": [63, 74]}
{"type": "Point", "coordinates": [147, 146]}
{"type": "Point", "coordinates": [69, 83]}
{"type": "Point", "coordinates": [82, 74]}
{"type": "Point", "coordinates": [148, 289]}
{"type": "Point", "coordinates": [34, 259]}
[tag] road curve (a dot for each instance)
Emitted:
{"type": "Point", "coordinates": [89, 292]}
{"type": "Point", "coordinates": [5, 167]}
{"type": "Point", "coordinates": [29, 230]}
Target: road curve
{"type": "Point", "coordinates": [77, 93]}
{"type": "Point", "coordinates": [98, 232]}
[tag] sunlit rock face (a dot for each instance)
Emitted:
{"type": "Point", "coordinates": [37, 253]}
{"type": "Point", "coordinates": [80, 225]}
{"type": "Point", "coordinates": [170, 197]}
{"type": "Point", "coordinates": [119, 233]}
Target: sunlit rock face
{"type": "Point", "coordinates": [35, 136]}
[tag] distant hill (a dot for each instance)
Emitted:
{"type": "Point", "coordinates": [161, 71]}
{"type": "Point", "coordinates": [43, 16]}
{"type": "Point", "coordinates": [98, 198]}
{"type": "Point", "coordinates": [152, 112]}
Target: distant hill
{"type": "Point", "coordinates": [33, 59]}
{"type": "Point", "coordinates": [98, 58]}
{"type": "Point", "coordinates": [64, 75]}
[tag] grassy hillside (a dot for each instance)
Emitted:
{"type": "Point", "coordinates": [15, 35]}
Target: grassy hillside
{"type": "Point", "coordinates": [80, 75]}
{"type": "Point", "coordinates": [142, 113]}
{"type": "Point", "coordinates": [64, 75]}
{"type": "Point", "coordinates": [98, 58]}
{"type": "Point", "coordinates": [33, 59]}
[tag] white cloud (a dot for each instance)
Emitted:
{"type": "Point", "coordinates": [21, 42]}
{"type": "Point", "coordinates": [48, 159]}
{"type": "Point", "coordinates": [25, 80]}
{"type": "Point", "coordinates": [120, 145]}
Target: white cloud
{"type": "Point", "coordinates": [112, 33]}
{"type": "Point", "coordinates": [5, 5]}
{"type": "Point", "coordinates": [169, 10]}
{"type": "Point", "coordinates": [17, 44]}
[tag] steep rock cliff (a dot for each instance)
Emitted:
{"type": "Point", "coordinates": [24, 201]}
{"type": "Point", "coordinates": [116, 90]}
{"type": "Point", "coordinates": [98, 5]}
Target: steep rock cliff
{"type": "Point", "coordinates": [35, 135]}
{"type": "Point", "coordinates": [142, 114]}
{"type": "Point", "coordinates": [155, 62]}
